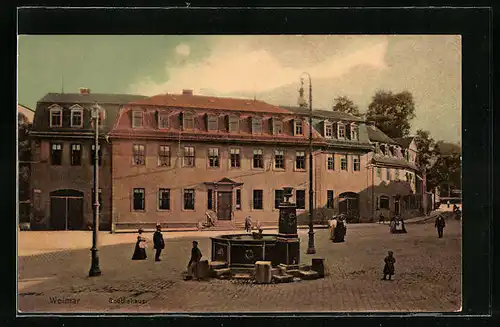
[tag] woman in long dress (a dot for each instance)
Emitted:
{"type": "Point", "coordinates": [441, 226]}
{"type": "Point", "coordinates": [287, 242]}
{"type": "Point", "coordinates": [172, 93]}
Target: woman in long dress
{"type": "Point", "coordinates": [140, 247]}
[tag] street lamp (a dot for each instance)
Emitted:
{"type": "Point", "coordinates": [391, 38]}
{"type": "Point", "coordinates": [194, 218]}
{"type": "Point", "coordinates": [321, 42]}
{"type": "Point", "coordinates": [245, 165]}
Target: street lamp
{"type": "Point", "coordinates": [96, 112]}
{"type": "Point", "coordinates": [310, 246]}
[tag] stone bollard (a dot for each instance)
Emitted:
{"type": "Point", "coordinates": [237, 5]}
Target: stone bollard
{"type": "Point", "coordinates": [202, 269]}
{"type": "Point", "coordinates": [263, 273]}
{"type": "Point", "coordinates": [318, 265]}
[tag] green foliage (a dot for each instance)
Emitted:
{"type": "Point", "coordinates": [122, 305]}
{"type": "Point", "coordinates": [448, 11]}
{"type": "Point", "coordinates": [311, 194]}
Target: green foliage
{"type": "Point", "coordinates": [446, 169]}
{"type": "Point", "coordinates": [425, 147]}
{"type": "Point", "coordinates": [392, 113]}
{"type": "Point", "coordinates": [344, 104]}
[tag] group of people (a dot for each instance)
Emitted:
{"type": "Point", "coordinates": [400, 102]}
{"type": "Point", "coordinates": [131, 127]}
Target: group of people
{"type": "Point", "coordinates": [159, 245]}
{"type": "Point", "coordinates": [249, 225]}
{"type": "Point", "coordinates": [397, 225]}
{"type": "Point", "coordinates": [338, 228]}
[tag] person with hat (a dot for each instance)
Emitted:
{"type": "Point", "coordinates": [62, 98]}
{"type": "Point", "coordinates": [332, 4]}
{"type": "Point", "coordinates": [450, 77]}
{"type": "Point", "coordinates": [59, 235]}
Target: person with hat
{"type": "Point", "coordinates": [140, 247]}
{"type": "Point", "coordinates": [193, 262]}
{"type": "Point", "coordinates": [159, 243]}
{"type": "Point", "coordinates": [389, 265]}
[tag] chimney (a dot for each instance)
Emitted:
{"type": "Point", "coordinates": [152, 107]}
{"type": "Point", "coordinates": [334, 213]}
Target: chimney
{"type": "Point", "coordinates": [84, 90]}
{"type": "Point", "coordinates": [187, 92]}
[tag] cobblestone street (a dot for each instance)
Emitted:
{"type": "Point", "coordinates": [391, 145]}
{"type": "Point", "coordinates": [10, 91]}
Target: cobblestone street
{"type": "Point", "coordinates": [428, 275]}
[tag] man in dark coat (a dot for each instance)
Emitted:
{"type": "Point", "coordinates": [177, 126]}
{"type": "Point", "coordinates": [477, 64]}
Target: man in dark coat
{"type": "Point", "coordinates": [159, 243]}
{"type": "Point", "coordinates": [195, 258]}
{"type": "Point", "coordinates": [440, 224]}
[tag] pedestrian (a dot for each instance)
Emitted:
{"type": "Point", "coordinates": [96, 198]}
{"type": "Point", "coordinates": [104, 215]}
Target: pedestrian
{"type": "Point", "coordinates": [159, 242]}
{"type": "Point", "coordinates": [248, 224]}
{"type": "Point", "coordinates": [140, 247]}
{"type": "Point", "coordinates": [440, 224]}
{"type": "Point", "coordinates": [193, 262]}
{"type": "Point", "coordinates": [333, 225]}
{"type": "Point", "coordinates": [258, 225]}
{"type": "Point", "coordinates": [381, 219]}
{"type": "Point", "coordinates": [389, 265]}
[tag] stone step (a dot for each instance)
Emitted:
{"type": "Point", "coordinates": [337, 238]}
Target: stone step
{"type": "Point", "coordinates": [283, 278]}
{"type": "Point", "coordinates": [307, 275]}
{"type": "Point", "coordinates": [294, 272]}
{"type": "Point", "coordinates": [242, 276]}
{"type": "Point", "coordinates": [221, 272]}
{"type": "Point", "coordinates": [218, 264]}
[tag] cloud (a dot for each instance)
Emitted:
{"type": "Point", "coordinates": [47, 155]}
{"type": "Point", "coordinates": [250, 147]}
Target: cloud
{"type": "Point", "coordinates": [183, 50]}
{"type": "Point", "coordinates": [236, 67]}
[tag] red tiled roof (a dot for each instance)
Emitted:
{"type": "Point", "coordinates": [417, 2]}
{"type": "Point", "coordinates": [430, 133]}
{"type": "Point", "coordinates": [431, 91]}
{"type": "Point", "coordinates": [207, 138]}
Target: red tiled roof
{"type": "Point", "coordinates": [210, 102]}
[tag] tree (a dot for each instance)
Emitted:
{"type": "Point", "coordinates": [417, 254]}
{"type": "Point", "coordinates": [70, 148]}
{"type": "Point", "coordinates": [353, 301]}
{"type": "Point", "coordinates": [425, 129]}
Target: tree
{"type": "Point", "coordinates": [446, 170]}
{"type": "Point", "coordinates": [24, 155]}
{"type": "Point", "coordinates": [425, 147]}
{"type": "Point", "coordinates": [344, 104]}
{"type": "Point", "coordinates": [392, 113]}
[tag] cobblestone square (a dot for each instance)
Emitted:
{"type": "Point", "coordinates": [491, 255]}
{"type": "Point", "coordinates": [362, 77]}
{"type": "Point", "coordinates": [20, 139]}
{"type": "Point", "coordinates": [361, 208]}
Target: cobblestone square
{"type": "Point", "coordinates": [428, 275]}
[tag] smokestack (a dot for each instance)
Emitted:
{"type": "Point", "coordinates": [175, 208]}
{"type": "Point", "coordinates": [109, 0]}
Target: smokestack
{"type": "Point", "coordinates": [84, 90]}
{"type": "Point", "coordinates": [187, 92]}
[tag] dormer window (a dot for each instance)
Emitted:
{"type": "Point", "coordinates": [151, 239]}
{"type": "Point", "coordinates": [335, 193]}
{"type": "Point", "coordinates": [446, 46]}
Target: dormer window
{"type": "Point", "coordinates": [187, 121]}
{"type": "Point", "coordinates": [76, 116]}
{"type": "Point", "coordinates": [277, 126]}
{"type": "Point", "coordinates": [341, 130]}
{"type": "Point", "coordinates": [137, 119]}
{"type": "Point", "coordinates": [56, 117]}
{"type": "Point", "coordinates": [377, 148]}
{"type": "Point", "coordinates": [234, 124]}
{"type": "Point", "coordinates": [256, 125]}
{"type": "Point", "coordinates": [163, 120]}
{"type": "Point", "coordinates": [298, 127]}
{"type": "Point", "coordinates": [328, 130]}
{"type": "Point", "coordinates": [212, 123]}
{"type": "Point", "coordinates": [354, 131]}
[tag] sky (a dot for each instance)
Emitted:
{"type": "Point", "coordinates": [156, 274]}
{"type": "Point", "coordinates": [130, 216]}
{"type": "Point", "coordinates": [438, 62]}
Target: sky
{"type": "Point", "coordinates": [267, 67]}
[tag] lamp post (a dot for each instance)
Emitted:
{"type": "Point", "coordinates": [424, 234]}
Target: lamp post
{"type": "Point", "coordinates": [310, 246]}
{"type": "Point", "coordinates": [94, 267]}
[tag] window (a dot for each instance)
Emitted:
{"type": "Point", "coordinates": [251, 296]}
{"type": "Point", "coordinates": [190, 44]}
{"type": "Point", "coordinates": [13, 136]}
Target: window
{"type": "Point", "coordinates": [356, 163]}
{"type": "Point", "coordinates": [300, 160]}
{"type": "Point", "coordinates": [163, 120]}
{"type": "Point", "coordinates": [139, 154]}
{"type": "Point", "coordinates": [256, 125]}
{"type": "Point", "coordinates": [189, 199]}
{"type": "Point", "coordinates": [341, 132]}
{"type": "Point", "coordinates": [279, 159]}
{"type": "Point", "coordinates": [187, 121]}
{"type": "Point", "coordinates": [55, 117]}
{"type": "Point", "coordinates": [99, 154]}
{"type": "Point", "coordinates": [388, 171]}
{"type": "Point", "coordinates": [138, 204]}
{"type": "Point", "coordinates": [210, 199]}
{"type": "Point", "coordinates": [235, 158]}
{"type": "Point", "coordinates": [343, 162]}
{"type": "Point", "coordinates": [76, 154]}
{"type": "Point", "coordinates": [379, 172]}
{"type": "Point", "coordinates": [164, 155]}
{"type": "Point", "coordinates": [298, 127]}
{"type": "Point", "coordinates": [330, 160]}
{"type": "Point", "coordinates": [212, 123]}
{"type": "Point", "coordinates": [354, 132]}
{"type": "Point", "coordinates": [213, 157]}
{"type": "Point", "coordinates": [329, 199]}
{"type": "Point", "coordinates": [238, 199]}
{"type": "Point", "coordinates": [136, 119]}
{"type": "Point", "coordinates": [384, 202]}
{"type": "Point", "coordinates": [300, 199]}
{"type": "Point", "coordinates": [56, 154]}
{"type": "Point", "coordinates": [279, 197]}
{"type": "Point", "coordinates": [328, 130]}
{"type": "Point", "coordinates": [277, 126]}
{"type": "Point", "coordinates": [257, 199]}
{"type": "Point", "coordinates": [234, 124]}
{"type": "Point", "coordinates": [164, 199]}
{"type": "Point", "coordinates": [188, 156]}
{"type": "Point", "coordinates": [76, 117]}
{"type": "Point", "coordinates": [258, 159]}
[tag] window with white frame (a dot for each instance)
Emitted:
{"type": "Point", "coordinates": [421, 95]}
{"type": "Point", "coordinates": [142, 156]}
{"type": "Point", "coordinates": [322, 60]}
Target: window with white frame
{"type": "Point", "coordinates": [163, 120]}
{"type": "Point", "coordinates": [300, 160]}
{"type": "Point", "coordinates": [298, 130]}
{"type": "Point", "coordinates": [356, 163]}
{"type": "Point", "coordinates": [341, 130]}
{"type": "Point", "coordinates": [189, 199]}
{"type": "Point", "coordinates": [139, 154]}
{"type": "Point", "coordinates": [213, 157]}
{"type": "Point", "coordinates": [164, 155]}
{"type": "Point", "coordinates": [56, 154]}
{"type": "Point", "coordinates": [187, 121]}
{"type": "Point", "coordinates": [258, 199]}
{"type": "Point", "coordinates": [76, 117]}
{"type": "Point", "coordinates": [256, 125]}
{"type": "Point", "coordinates": [164, 199]}
{"type": "Point", "coordinates": [258, 158]}
{"type": "Point", "coordinates": [137, 118]}
{"type": "Point", "coordinates": [138, 199]}
{"type": "Point", "coordinates": [343, 162]}
{"type": "Point", "coordinates": [330, 161]}
{"type": "Point", "coordinates": [188, 156]}
{"type": "Point", "coordinates": [277, 126]}
{"type": "Point", "coordinates": [212, 123]}
{"type": "Point", "coordinates": [354, 132]}
{"type": "Point", "coordinates": [234, 124]}
{"type": "Point", "coordinates": [328, 130]}
{"type": "Point", "coordinates": [76, 154]}
{"type": "Point", "coordinates": [279, 159]}
{"type": "Point", "coordinates": [235, 158]}
{"type": "Point", "coordinates": [55, 117]}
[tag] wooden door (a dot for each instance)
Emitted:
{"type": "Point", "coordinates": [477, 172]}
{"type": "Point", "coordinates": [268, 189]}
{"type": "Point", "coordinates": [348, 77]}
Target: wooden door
{"type": "Point", "coordinates": [75, 213]}
{"type": "Point", "coordinates": [224, 205]}
{"type": "Point", "coordinates": [58, 213]}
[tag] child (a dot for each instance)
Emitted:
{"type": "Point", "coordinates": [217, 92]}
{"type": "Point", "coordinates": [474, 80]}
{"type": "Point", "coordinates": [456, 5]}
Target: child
{"type": "Point", "coordinates": [389, 265]}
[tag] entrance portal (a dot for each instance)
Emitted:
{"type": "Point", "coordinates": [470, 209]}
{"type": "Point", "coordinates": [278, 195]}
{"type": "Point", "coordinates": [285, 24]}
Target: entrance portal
{"type": "Point", "coordinates": [66, 210]}
{"type": "Point", "coordinates": [224, 205]}
{"type": "Point", "coordinates": [349, 205]}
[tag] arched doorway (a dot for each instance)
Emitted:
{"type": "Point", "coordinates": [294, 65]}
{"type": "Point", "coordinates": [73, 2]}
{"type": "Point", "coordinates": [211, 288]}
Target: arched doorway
{"type": "Point", "coordinates": [66, 210]}
{"type": "Point", "coordinates": [349, 205]}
